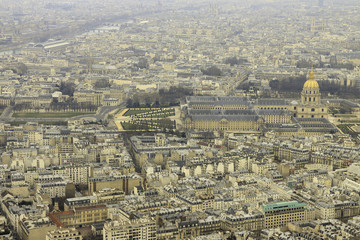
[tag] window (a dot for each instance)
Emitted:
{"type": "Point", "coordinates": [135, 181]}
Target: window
{"type": "Point", "coordinates": [313, 109]}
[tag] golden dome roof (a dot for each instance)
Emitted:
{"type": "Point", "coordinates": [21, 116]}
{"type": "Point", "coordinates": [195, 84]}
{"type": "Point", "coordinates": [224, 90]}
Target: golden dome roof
{"type": "Point", "coordinates": [311, 83]}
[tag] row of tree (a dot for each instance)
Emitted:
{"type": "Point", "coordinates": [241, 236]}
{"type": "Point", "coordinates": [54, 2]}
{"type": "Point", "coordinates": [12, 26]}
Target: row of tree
{"type": "Point", "coordinates": [163, 98]}
{"type": "Point", "coordinates": [308, 64]}
{"type": "Point", "coordinates": [73, 105]}
{"type": "Point", "coordinates": [235, 61]}
{"type": "Point", "coordinates": [102, 83]}
{"type": "Point", "coordinates": [67, 88]}
{"type": "Point", "coordinates": [20, 68]}
{"type": "Point", "coordinates": [341, 91]}
{"type": "Point", "coordinates": [70, 105]}
{"type": "Point", "coordinates": [295, 84]}
{"type": "Point", "coordinates": [291, 84]}
{"type": "Point", "coordinates": [164, 124]}
{"type": "Point", "coordinates": [212, 71]}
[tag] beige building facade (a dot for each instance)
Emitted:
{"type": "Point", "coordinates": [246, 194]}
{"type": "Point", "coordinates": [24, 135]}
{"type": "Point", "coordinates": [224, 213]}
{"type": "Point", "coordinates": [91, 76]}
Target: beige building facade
{"type": "Point", "coordinates": [240, 114]}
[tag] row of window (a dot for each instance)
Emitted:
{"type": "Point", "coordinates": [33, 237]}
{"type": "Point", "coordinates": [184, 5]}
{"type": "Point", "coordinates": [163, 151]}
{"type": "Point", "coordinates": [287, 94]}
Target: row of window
{"type": "Point", "coordinates": [309, 99]}
{"type": "Point", "coordinates": [313, 110]}
{"type": "Point", "coordinates": [312, 116]}
{"type": "Point", "coordinates": [274, 108]}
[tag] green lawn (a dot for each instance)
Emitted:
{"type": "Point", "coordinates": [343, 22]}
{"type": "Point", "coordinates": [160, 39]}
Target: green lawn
{"type": "Point", "coordinates": [149, 124]}
{"type": "Point", "coordinates": [350, 121]}
{"type": "Point", "coordinates": [50, 115]}
{"type": "Point", "coordinates": [17, 123]}
{"type": "Point", "coordinates": [345, 128]}
{"type": "Point", "coordinates": [131, 126]}
{"type": "Point", "coordinates": [56, 123]}
{"type": "Point", "coordinates": [345, 115]}
{"type": "Point", "coordinates": [134, 112]}
{"type": "Point", "coordinates": [158, 115]}
{"type": "Point", "coordinates": [147, 113]}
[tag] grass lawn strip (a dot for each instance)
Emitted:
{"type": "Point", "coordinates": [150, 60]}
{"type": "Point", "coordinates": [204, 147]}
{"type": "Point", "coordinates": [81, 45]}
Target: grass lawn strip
{"type": "Point", "coordinates": [50, 115]}
{"type": "Point", "coordinates": [135, 112]}
{"type": "Point", "coordinates": [147, 124]}
{"type": "Point", "coordinates": [150, 113]}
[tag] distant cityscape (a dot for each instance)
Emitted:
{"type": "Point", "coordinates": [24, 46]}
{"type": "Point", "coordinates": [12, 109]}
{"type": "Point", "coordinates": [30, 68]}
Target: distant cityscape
{"type": "Point", "coordinates": [180, 119]}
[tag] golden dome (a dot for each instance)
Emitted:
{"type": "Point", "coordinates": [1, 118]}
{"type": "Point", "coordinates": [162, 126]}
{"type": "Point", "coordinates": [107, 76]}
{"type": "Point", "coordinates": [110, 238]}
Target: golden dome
{"type": "Point", "coordinates": [311, 83]}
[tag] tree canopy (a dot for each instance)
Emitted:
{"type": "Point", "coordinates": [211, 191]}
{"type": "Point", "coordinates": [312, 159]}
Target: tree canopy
{"type": "Point", "coordinates": [67, 88]}
{"type": "Point", "coordinates": [164, 98]}
{"type": "Point", "coordinates": [235, 61]}
{"type": "Point", "coordinates": [212, 71]}
{"type": "Point", "coordinates": [102, 83]}
{"type": "Point", "coordinates": [143, 63]}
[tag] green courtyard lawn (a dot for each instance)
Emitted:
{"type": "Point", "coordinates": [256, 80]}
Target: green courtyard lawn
{"type": "Point", "coordinates": [49, 115]}
{"type": "Point", "coordinates": [345, 128]}
{"type": "Point", "coordinates": [149, 113]}
{"type": "Point", "coordinates": [135, 112]}
{"type": "Point", "coordinates": [149, 124]}
{"type": "Point", "coordinates": [132, 126]}
{"type": "Point", "coordinates": [55, 123]}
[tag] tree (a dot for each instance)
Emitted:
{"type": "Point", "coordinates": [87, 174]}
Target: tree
{"type": "Point", "coordinates": [22, 106]}
{"type": "Point", "coordinates": [157, 103]}
{"type": "Point", "coordinates": [161, 99]}
{"type": "Point", "coordinates": [274, 84]}
{"type": "Point", "coordinates": [291, 84]}
{"type": "Point", "coordinates": [129, 103]}
{"type": "Point", "coordinates": [235, 61]}
{"type": "Point", "coordinates": [102, 83]}
{"type": "Point", "coordinates": [21, 69]}
{"type": "Point", "coordinates": [232, 61]}
{"type": "Point", "coordinates": [136, 104]}
{"type": "Point", "coordinates": [67, 88]}
{"type": "Point", "coordinates": [148, 101]}
{"type": "Point", "coordinates": [143, 63]}
{"type": "Point", "coordinates": [212, 71]}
